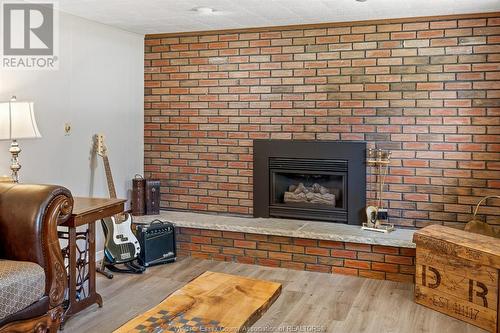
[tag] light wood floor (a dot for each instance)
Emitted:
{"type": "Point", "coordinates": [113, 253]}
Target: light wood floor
{"type": "Point", "coordinates": [325, 302]}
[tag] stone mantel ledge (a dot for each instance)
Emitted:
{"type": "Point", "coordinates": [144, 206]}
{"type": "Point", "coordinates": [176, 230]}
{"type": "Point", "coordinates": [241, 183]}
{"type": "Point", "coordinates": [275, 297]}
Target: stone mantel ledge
{"type": "Point", "coordinates": [284, 227]}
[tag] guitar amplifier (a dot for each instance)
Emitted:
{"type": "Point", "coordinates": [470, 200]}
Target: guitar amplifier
{"type": "Point", "coordinates": [157, 242]}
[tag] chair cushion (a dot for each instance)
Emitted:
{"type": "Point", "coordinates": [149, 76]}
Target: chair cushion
{"type": "Point", "coordinates": [22, 283]}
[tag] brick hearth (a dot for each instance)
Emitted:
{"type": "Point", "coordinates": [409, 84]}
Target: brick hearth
{"type": "Point", "coordinates": [371, 261]}
{"type": "Point", "coordinates": [297, 244]}
{"type": "Point", "coordinates": [428, 89]}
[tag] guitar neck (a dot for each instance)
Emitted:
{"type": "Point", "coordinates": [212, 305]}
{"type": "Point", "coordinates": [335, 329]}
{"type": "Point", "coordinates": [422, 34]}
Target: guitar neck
{"type": "Point", "coordinates": [109, 177]}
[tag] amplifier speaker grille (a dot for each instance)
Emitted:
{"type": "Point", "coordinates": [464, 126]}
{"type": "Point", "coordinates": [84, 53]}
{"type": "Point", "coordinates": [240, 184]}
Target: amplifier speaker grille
{"type": "Point", "coordinates": [157, 242]}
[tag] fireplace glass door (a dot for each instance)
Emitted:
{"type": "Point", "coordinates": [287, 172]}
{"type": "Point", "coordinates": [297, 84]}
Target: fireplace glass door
{"type": "Point", "coordinates": [312, 189]}
{"type": "Point", "coordinates": [308, 189]}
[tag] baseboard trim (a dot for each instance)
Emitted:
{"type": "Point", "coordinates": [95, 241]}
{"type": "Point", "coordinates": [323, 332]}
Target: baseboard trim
{"type": "Point", "coordinates": [99, 255]}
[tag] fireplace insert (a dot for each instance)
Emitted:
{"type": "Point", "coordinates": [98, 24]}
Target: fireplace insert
{"type": "Point", "coordinates": [313, 180]}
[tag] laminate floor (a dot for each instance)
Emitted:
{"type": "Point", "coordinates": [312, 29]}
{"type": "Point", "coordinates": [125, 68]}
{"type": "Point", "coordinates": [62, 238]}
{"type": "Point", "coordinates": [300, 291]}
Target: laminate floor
{"type": "Point", "coordinates": [309, 301]}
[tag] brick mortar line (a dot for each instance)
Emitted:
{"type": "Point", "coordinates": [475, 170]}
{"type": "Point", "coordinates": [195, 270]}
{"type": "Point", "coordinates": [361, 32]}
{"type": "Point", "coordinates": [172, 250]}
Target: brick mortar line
{"type": "Point", "coordinates": [329, 51]}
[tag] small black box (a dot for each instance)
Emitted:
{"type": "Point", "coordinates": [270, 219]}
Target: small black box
{"type": "Point", "coordinates": [157, 242]}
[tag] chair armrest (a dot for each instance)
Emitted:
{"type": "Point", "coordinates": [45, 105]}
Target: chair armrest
{"type": "Point", "coordinates": [29, 216]}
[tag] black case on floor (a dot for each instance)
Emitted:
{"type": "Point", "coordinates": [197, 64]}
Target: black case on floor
{"type": "Point", "coordinates": [157, 242]}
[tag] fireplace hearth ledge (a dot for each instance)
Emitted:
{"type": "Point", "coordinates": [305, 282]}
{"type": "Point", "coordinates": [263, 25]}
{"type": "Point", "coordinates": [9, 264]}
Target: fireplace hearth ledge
{"type": "Point", "coordinates": [284, 227]}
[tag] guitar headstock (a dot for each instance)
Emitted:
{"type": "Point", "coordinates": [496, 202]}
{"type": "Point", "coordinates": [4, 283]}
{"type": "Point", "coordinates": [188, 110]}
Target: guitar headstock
{"type": "Point", "coordinates": [99, 145]}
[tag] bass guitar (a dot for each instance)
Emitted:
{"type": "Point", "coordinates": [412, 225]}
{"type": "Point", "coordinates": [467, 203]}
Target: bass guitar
{"type": "Point", "coordinates": [121, 245]}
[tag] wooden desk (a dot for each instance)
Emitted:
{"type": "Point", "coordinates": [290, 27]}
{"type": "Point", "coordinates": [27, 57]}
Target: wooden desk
{"type": "Point", "coordinates": [80, 251]}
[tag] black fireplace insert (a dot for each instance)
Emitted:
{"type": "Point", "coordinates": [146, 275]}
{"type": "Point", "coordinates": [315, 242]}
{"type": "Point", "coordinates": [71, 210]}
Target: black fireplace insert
{"type": "Point", "coordinates": [312, 180]}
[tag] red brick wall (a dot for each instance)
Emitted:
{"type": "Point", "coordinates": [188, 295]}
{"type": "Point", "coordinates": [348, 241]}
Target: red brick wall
{"type": "Point", "coordinates": [427, 90]}
{"type": "Point", "coordinates": [371, 261]}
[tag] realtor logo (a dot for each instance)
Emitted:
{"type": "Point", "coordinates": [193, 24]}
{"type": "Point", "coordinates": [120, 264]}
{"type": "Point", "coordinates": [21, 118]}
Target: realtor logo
{"type": "Point", "coordinates": [29, 36]}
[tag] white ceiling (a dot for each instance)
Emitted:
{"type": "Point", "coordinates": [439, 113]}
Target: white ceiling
{"type": "Point", "coordinates": [162, 16]}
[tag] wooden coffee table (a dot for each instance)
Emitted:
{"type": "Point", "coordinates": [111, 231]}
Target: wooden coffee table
{"type": "Point", "coordinates": [80, 251]}
{"type": "Point", "coordinates": [213, 302]}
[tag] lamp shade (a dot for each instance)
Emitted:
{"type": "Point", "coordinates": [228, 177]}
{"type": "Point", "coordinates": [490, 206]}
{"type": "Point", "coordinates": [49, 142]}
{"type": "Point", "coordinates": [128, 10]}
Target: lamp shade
{"type": "Point", "coordinates": [17, 121]}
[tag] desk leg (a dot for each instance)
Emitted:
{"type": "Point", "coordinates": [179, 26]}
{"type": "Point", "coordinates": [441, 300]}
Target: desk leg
{"type": "Point", "coordinates": [92, 266]}
{"type": "Point", "coordinates": [81, 268]}
{"type": "Point", "coordinates": [70, 254]}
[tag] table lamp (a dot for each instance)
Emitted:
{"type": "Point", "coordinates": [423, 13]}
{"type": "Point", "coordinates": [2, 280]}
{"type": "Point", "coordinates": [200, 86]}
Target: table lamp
{"type": "Point", "coordinates": [17, 121]}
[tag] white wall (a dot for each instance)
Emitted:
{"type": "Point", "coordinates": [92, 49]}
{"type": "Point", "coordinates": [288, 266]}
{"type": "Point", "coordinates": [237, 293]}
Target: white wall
{"type": "Point", "coordinates": [98, 89]}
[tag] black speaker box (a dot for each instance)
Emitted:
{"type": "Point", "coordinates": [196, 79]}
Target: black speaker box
{"type": "Point", "coordinates": [157, 242]}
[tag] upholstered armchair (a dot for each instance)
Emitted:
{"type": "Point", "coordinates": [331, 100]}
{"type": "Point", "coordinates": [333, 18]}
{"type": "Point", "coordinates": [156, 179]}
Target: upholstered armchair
{"type": "Point", "coordinates": [33, 278]}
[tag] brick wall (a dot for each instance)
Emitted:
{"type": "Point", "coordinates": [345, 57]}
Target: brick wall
{"type": "Point", "coordinates": [429, 90]}
{"type": "Point", "coordinates": [371, 261]}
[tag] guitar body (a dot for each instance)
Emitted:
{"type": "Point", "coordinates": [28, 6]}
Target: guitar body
{"type": "Point", "coordinates": [121, 245]}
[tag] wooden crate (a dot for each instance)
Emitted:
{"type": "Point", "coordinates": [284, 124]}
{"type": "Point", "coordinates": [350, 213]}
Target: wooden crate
{"type": "Point", "coordinates": [457, 274]}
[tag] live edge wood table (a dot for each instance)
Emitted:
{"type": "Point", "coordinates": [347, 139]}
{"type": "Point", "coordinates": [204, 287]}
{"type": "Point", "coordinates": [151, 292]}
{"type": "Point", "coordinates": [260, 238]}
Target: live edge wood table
{"type": "Point", "coordinates": [457, 274]}
{"type": "Point", "coordinates": [80, 251]}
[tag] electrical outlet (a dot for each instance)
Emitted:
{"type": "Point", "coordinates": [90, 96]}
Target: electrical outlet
{"type": "Point", "coordinates": [67, 129]}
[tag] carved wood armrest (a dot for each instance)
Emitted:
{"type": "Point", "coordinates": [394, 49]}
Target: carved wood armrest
{"type": "Point", "coordinates": [57, 212]}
